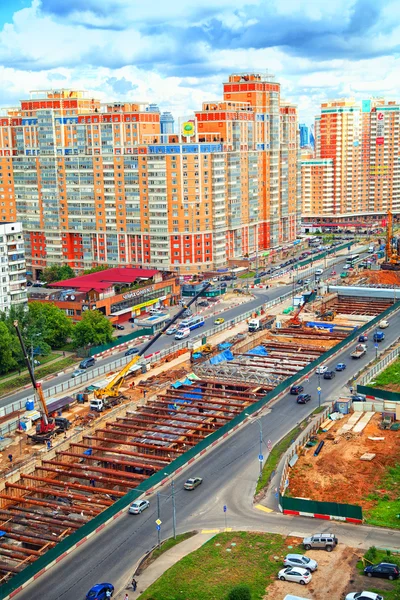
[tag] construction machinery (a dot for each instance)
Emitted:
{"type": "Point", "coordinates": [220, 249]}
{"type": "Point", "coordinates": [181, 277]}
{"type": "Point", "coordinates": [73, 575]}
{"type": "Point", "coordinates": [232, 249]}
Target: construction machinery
{"type": "Point", "coordinates": [326, 315]}
{"type": "Point", "coordinates": [392, 257]}
{"type": "Point", "coordinates": [46, 427]}
{"type": "Point", "coordinates": [295, 321]}
{"type": "Point", "coordinates": [112, 389]}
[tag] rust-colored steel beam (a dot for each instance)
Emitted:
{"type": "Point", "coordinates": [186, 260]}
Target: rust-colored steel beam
{"type": "Point", "coordinates": [161, 459]}
{"type": "Point", "coordinates": [115, 461]}
{"type": "Point", "coordinates": [32, 538]}
{"type": "Point", "coordinates": [58, 493]}
{"type": "Point", "coordinates": [112, 472]}
{"type": "Point", "coordinates": [111, 440]}
{"type": "Point", "coordinates": [159, 438]}
{"type": "Point", "coordinates": [32, 517]}
{"type": "Point", "coordinates": [6, 568]}
{"type": "Point", "coordinates": [200, 404]}
{"type": "Point", "coordinates": [20, 549]}
{"type": "Point", "coordinates": [171, 419]}
{"type": "Point", "coordinates": [183, 411]}
{"type": "Point", "coordinates": [210, 393]}
{"type": "Point", "coordinates": [95, 478]}
{"type": "Point", "coordinates": [15, 555]}
{"type": "Point", "coordinates": [159, 426]}
{"type": "Point", "coordinates": [75, 486]}
{"type": "Point", "coordinates": [45, 503]}
{"type": "Point", "coordinates": [35, 524]}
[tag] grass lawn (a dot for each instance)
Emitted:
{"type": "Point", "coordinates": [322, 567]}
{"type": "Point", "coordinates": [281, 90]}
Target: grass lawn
{"type": "Point", "coordinates": [390, 590]}
{"type": "Point", "coordinates": [20, 380]}
{"type": "Point", "coordinates": [384, 514]}
{"type": "Point", "coordinates": [228, 559]}
{"type": "Point", "coordinates": [247, 275]}
{"type": "Point", "coordinates": [274, 457]}
{"type": "Point", "coordinates": [167, 545]}
{"type": "Point", "coordinates": [389, 375]}
{"type": "Point", "coordinates": [42, 359]}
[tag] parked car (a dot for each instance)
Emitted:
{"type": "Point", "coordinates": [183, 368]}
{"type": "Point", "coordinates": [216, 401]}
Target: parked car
{"type": "Point", "coordinates": [132, 351]}
{"type": "Point", "coordinates": [307, 281]}
{"type": "Point", "coordinates": [299, 282]}
{"type": "Point", "coordinates": [300, 560]}
{"type": "Point", "coordinates": [363, 596]}
{"type": "Point", "coordinates": [303, 398]}
{"type": "Point", "coordinates": [77, 372]}
{"type": "Point", "coordinates": [296, 574]}
{"type": "Point", "coordinates": [223, 285]}
{"type": "Point", "coordinates": [192, 483]}
{"type": "Point", "coordinates": [340, 367]}
{"type": "Point", "coordinates": [362, 338]}
{"type": "Point", "coordinates": [118, 326]}
{"type": "Point", "coordinates": [98, 591]}
{"type": "Point", "coordinates": [204, 303]}
{"type": "Point", "coordinates": [321, 369]}
{"type": "Point", "coordinates": [358, 398]}
{"type": "Point", "coordinates": [296, 389]}
{"type": "Point", "coordinates": [138, 507]}
{"type": "Point", "coordinates": [219, 321]}
{"type": "Point", "coordinates": [329, 374]}
{"type": "Point", "coordinates": [326, 541]}
{"type": "Point", "coordinates": [172, 330]}
{"type": "Point", "coordinates": [385, 570]}
{"type": "Point", "coordinates": [187, 313]}
{"type": "Point", "coordinates": [87, 362]}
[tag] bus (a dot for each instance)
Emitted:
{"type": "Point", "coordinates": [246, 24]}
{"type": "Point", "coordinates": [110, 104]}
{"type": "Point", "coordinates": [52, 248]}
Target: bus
{"type": "Point", "coordinates": [192, 323]}
{"type": "Point", "coordinates": [352, 258]}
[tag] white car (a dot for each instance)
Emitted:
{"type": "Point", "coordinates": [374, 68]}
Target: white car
{"type": "Point", "coordinates": [363, 596]}
{"type": "Point", "coordinates": [383, 324]}
{"type": "Point", "coordinates": [321, 370]}
{"type": "Point", "coordinates": [138, 506]}
{"type": "Point", "coordinates": [172, 330]}
{"type": "Point", "coordinates": [296, 574]}
{"type": "Point", "coordinates": [78, 372]}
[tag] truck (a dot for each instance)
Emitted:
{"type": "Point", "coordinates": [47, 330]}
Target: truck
{"type": "Point", "coordinates": [259, 323]}
{"type": "Point", "coordinates": [359, 351]}
{"type": "Point", "coordinates": [100, 404]}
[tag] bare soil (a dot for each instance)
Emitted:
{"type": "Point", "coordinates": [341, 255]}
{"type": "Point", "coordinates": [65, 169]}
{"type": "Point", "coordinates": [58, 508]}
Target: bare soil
{"type": "Point", "coordinates": [335, 569]}
{"type": "Point", "coordinates": [337, 474]}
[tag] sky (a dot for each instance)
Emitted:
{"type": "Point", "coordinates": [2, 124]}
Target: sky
{"type": "Point", "coordinates": [178, 53]}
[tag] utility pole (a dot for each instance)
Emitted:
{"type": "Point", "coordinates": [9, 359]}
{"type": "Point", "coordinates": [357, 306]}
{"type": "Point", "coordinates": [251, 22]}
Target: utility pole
{"type": "Point", "coordinates": [173, 507]}
{"type": "Point", "coordinates": [158, 516]}
{"type": "Point", "coordinates": [260, 455]}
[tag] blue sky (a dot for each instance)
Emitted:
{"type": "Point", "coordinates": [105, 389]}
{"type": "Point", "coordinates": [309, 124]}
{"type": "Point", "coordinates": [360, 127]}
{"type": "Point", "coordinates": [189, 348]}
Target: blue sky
{"type": "Point", "coordinates": [177, 53]}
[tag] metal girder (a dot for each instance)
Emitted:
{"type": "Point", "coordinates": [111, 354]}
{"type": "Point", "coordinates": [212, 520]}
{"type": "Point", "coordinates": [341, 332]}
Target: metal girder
{"type": "Point", "coordinates": [151, 434]}
{"type": "Point", "coordinates": [116, 461]}
{"type": "Point", "coordinates": [157, 459]}
{"type": "Point", "coordinates": [78, 475]}
{"type": "Point", "coordinates": [202, 403]}
{"type": "Point", "coordinates": [58, 494]}
{"type": "Point", "coordinates": [172, 423]}
{"type": "Point", "coordinates": [104, 470]}
{"type": "Point", "coordinates": [128, 443]}
{"type": "Point", "coordinates": [47, 503]}
{"type": "Point", "coordinates": [74, 486]}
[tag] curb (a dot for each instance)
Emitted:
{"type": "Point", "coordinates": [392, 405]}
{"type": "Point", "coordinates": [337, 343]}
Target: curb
{"type": "Point", "coordinates": [298, 513]}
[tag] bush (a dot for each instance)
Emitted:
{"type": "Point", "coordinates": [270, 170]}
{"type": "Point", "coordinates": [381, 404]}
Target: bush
{"type": "Point", "coordinates": [371, 554]}
{"type": "Point", "coordinates": [239, 592]}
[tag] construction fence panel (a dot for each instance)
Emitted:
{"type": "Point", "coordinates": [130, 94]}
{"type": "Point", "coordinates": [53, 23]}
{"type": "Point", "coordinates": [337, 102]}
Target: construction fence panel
{"type": "Point", "coordinates": [379, 366]}
{"type": "Point", "coordinates": [122, 340]}
{"type": "Point", "coordinates": [378, 393]}
{"type": "Point", "coordinates": [315, 507]}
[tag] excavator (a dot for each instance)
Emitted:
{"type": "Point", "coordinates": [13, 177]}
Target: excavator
{"type": "Point", "coordinates": [112, 389]}
{"type": "Point", "coordinates": [46, 427]}
{"type": "Point", "coordinates": [295, 320]}
{"type": "Point", "coordinates": [392, 258]}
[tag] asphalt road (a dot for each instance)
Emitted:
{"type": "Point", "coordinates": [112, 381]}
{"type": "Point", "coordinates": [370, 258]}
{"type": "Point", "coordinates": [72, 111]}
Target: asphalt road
{"type": "Point", "coordinates": [261, 296]}
{"type": "Point", "coordinates": [229, 475]}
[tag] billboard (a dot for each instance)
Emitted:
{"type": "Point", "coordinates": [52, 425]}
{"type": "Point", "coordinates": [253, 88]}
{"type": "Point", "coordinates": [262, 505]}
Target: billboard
{"type": "Point", "coordinates": [380, 128]}
{"type": "Point", "coordinates": [188, 128]}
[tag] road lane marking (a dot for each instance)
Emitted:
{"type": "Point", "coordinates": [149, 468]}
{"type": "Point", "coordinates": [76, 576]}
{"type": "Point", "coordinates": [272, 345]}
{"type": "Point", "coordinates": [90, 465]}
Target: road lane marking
{"type": "Point", "coordinates": [263, 508]}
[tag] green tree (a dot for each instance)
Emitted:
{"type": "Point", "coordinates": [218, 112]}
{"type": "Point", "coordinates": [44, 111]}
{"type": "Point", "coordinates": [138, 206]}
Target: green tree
{"type": "Point", "coordinates": [7, 360]}
{"type": "Point", "coordinates": [94, 329]}
{"type": "Point", "coordinates": [47, 324]}
{"type": "Point", "coordinates": [96, 269]}
{"type": "Point", "coordinates": [57, 273]}
{"type": "Point", "coordinates": [239, 592]}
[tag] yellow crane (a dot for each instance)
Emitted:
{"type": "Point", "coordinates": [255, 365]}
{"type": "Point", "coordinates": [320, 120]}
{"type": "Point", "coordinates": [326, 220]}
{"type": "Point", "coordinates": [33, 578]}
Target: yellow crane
{"type": "Point", "coordinates": [112, 389]}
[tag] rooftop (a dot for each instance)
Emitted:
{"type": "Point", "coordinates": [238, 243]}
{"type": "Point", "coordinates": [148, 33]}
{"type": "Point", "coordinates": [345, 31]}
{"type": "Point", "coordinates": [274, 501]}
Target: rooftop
{"type": "Point", "coordinates": [102, 280]}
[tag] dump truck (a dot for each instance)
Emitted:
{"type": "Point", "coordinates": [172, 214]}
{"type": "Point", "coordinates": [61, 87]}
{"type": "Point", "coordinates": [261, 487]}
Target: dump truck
{"type": "Point", "coordinates": [259, 323]}
{"type": "Point", "coordinates": [359, 351]}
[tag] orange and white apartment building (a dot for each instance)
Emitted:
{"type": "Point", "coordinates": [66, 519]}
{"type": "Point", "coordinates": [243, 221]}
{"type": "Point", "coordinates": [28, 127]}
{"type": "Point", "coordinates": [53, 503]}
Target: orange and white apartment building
{"type": "Point", "coordinates": [355, 175]}
{"type": "Point", "coordinates": [93, 184]}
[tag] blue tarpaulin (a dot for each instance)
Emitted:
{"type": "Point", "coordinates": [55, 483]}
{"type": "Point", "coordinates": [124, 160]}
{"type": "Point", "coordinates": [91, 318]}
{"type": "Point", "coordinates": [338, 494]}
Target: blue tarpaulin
{"type": "Point", "coordinates": [88, 452]}
{"type": "Point", "coordinates": [186, 398]}
{"type": "Point", "coordinates": [258, 351]}
{"type": "Point", "coordinates": [3, 533]}
{"type": "Point", "coordinates": [224, 346]}
{"type": "Point", "coordinates": [222, 357]}
{"type": "Point", "coordinates": [188, 381]}
{"type": "Point", "coordinates": [177, 384]}
{"type": "Point", "coordinates": [320, 325]}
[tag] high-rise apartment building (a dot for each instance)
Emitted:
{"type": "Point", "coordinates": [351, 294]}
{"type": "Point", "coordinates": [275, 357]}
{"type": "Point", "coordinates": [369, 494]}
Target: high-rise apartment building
{"type": "Point", "coordinates": [304, 135]}
{"type": "Point", "coordinates": [360, 142]}
{"type": "Point", "coordinates": [94, 184]}
{"type": "Point", "coordinates": [167, 126]}
{"type": "Point", "coordinates": [12, 266]}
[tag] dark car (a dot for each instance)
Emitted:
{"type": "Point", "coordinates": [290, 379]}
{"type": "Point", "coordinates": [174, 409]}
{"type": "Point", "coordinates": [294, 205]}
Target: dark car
{"type": "Point", "coordinates": [329, 374]}
{"type": "Point", "coordinates": [98, 591]}
{"type": "Point", "coordinates": [386, 570]}
{"type": "Point", "coordinates": [223, 284]}
{"type": "Point", "coordinates": [87, 362]}
{"type": "Point", "coordinates": [300, 282]}
{"type": "Point", "coordinates": [132, 319]}
{"type": "Point", "coordinates": [358, 398]}
{"type": "Point", "coordinates": [340, 367]}
{"type": "Point", "coordinates": [203, 303]}
{"type": "Point", "coordinates": [296, 389]}
{"type": "Point", "coordinates": [362, 338]}
{"type": "Point", "coordinates": [303, 398]}
{"type": "Point", "coordinates": [118, 326]}
{"type": "Point", "coordinates": [132, 351]}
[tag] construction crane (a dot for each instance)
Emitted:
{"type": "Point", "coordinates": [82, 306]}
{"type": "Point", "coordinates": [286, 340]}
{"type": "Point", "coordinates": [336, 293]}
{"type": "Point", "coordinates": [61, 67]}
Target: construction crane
{"type": "Point", "coordinates": [295, 321]}
{"type": "Point", "coordinates": [112, 389]}
{"type": "Point", "coordinates": [392, 258]}
{"type": "Point", "coordinates": [46, 427]}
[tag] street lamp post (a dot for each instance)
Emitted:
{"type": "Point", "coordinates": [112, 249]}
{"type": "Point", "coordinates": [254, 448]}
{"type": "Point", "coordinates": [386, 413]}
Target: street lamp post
{"type": "Point", "coordinates": [319, 388]}
{"type": "Point", "coordinates": [173, 503]}
{"type": "Point", "coordinates": [260, 456]}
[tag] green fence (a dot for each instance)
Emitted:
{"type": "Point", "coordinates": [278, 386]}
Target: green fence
{"type": "Point", "coordinates": [122, 340]}
{"type": "Point", "coordinates": [378, 393]}
{"type": "Point", "coordinates": [52, 554]}
{"type": "Point", "coordinates": [314, 507]}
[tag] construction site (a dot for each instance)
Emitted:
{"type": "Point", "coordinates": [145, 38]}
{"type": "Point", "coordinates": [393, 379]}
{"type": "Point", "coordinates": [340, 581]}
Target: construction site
{"type": "Point", "coordinates": [357, 452]}
{"type": "Point", "coordinates": [58, 483]}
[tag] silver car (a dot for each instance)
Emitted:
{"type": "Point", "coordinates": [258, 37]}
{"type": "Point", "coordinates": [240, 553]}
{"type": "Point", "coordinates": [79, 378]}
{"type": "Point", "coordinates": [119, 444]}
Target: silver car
{"type": "Point", "coordinates": [363, 596]}
{"type": "Point", "coordinates": [318, 541]}
{"type": "Point", "coordinates": [138, 506]}
{"type": "Point", "coordinates": [299, 560]}
{"type": "Point", "coordinates": [296, 574]}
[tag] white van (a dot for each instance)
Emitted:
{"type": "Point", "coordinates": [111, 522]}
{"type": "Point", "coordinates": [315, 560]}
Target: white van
{"type": "Point", "coordinates": [181, 334]}
{"type": "Point", "coordinates": [154, 311]}
{"type": "Point", "coordinates": [319, 271]}
{"type": "Point", "coordinates": [291, 597]}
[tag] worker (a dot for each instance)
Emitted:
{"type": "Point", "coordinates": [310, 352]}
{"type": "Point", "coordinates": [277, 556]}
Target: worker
{"type": "Point", "coordinates": [126, 597]}
{"type": "Point", "coordinates": [10, 458]}
{"type": "Point", "coordinates": [134, 584]}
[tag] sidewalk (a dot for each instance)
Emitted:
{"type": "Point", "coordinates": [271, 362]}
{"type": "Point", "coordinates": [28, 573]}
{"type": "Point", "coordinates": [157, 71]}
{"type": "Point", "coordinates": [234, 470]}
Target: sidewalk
{"type": "Point", "coordinates": [163, 563]}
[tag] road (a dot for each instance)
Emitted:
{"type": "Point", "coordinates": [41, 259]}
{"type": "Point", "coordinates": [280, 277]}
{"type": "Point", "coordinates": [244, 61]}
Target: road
{"type": "Point", "coordinates": [229, 474]}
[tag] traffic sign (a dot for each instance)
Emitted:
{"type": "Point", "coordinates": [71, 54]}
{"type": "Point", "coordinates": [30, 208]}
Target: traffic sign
{"type": "Point", "coordinates": [158, 527]}
{"type": "Point", "coordinates": [318, 389]}
{"type": "Point", "coordinates": [260, 457]}
{"type": "Point", "coordinates": [158, 522]}
{"type": "Point", "coordinates": [225, 508]}
{"type": "Point", "coordinates": [376, 345]}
